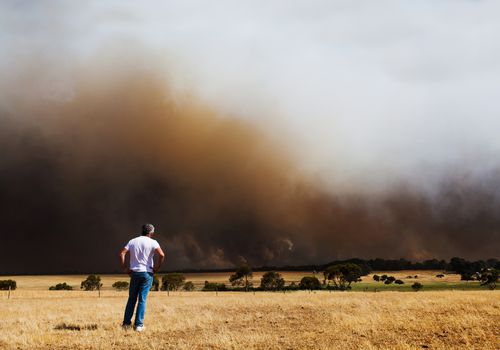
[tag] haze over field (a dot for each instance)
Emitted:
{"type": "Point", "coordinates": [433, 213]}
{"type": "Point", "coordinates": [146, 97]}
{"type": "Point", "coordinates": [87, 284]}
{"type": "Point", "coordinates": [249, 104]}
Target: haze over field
{"type": "Point", "coordinates": [276, 133]}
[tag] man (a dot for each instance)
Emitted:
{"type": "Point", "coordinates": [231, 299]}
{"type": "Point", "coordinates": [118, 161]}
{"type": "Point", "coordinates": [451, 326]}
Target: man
{"type": "Point", "coordinates": [142, 250]}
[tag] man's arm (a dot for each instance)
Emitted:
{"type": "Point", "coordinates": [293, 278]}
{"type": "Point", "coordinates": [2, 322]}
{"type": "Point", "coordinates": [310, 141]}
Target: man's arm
{"type": "Point", "coordinates": [161, 259]}
{"type": "Point", "coordinates": [125, 268]}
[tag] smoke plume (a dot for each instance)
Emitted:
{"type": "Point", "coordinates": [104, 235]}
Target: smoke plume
{"type": "Point", "coordinates": [79, 177]}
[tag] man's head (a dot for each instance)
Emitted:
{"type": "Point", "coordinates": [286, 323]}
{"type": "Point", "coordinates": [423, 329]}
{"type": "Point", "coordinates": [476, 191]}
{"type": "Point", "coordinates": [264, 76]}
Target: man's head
{"type": "Point", "coordinates": [147, 229]}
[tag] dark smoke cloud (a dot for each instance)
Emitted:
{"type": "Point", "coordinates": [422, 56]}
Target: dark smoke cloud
{"type": "Point", "coordinates": [80, 173]}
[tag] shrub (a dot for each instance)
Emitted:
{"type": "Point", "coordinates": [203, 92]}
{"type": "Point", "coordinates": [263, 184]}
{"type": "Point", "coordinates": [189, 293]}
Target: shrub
{"type": "Point", "coordinates": [92, 282]}
{"type": "Point", "coordinates": [172, 281]}
{"type": "Point", "coordinates": [376, 278]}
{"type": "Point", "coordinates": [383, 277]}
{"type": "Point", "coordinates": [399, 282]}
{"type": "Point", "coordinates": [389, 279]}
{"type": "Point", "coordinates": [61, 286]}
{"type": "Point", "coordinates": [417, 286]}
{"type": "Point", "coordinates": [212, 287]}
{"type": "Point", "coordinates": [310, 283]}
{"type": "Point", "coordinates": [440, 275]}
{"type": "Point", "coordinates": [272, 281]}
{"type": "Point", "coordinates": [292, 286]}
{"type": "Point", "coordinates": [5, 284]}
{"type": "Point", "coordinates": [120, 285]}
{"type": "Point", "coordinates": [188, 286]}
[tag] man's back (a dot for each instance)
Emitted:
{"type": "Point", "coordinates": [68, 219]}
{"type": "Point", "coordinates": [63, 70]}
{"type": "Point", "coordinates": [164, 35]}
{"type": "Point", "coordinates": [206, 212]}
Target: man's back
{"type": "Point", "coordinates": [142, 250]}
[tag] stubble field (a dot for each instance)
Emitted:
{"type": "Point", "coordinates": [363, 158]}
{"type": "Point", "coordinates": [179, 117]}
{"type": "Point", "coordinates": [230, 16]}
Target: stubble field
{"type": "Point", "coordinates": [237, 320]}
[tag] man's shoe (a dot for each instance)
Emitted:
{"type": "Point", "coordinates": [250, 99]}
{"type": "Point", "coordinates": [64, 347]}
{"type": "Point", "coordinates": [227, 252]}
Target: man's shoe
{"type": "Point", "coordinates": [126, 327]}
{"type": "Point", "coordinates": [139, 328]}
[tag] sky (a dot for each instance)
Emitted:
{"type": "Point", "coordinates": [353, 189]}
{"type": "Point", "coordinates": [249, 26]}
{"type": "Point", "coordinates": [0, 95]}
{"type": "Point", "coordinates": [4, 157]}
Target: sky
{"type": "Point", "coordinates": [282, 132]}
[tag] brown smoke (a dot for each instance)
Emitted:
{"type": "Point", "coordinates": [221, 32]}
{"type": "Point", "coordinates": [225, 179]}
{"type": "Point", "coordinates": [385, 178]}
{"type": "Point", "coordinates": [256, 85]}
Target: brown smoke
{"type": "Point", "coordinates": [80, 175]}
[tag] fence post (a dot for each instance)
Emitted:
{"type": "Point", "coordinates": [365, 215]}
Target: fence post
{"type": "Point", "coordinates": [8, 296]}
{"type": "Point", "coordinates": [99, 290]}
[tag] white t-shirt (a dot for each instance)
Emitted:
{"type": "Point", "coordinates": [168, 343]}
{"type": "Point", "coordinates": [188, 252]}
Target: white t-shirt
{"type": "Point", "coordinates": [142, 251]}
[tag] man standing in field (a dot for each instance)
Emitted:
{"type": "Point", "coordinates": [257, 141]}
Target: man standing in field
{"type": "Point", "coordinates": [142, 250]}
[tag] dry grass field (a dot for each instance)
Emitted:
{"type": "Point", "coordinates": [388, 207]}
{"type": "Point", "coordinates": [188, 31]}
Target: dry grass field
{"type": "Point", "coordinates": [232, 320]}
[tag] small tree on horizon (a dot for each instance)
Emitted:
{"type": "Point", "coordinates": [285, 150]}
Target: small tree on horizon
{"type": "Point", "coordinates": [342, 275]}
{"type": "Point", "coordinates": [92, 282]}
{"type": "Point", "coordinates": [242, 277]}
{"type": "Point", "coordinates": [172, 281]}
{"type": "Point", "coordinates": [310, 283]}
{"type": "Point", "coordinates": [272, 280]}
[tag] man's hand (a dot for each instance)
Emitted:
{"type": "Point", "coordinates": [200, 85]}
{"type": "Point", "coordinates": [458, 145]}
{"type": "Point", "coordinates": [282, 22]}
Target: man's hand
{"type": "Point", "coordinates": [128, 271]}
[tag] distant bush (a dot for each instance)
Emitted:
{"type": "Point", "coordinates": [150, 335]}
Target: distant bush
{"type": "Point", "coordinates": [399, 282]}
{"type": "Point", "coordinates": [120, 285]}
{"type": "Point", "coordinates": [172, 281]}
{"type": "Point", "coordinates": [5, 284]}
{"type": "Point", "coordinates": [212, 287]}
{"type": "Point", "coordinates": [188, 286]}
{"type": "Point", "coordinates": [440, 275]}
{"type": "Point", "coordinates": [417, 286]}
{"type": "Point", "coordinates": [292, 286]}
{"type": "Point", "coordinates": [383, 277]}
{"type": "Point", "coordinates": [92, 282]}
{"type": "Point", "coordinates": [272, 281]}
{"type": "Point", "coordinates": [376, 278]}
{"type": "Point", "coordinates": [61, 286]}
{"type": "Point", "coordinates": [416, 276]}
{"type": "Point", "coordinates": [309, 283]}
{"type": "Point", "coordinates": [389, 279]}
{"type": "Point", "coordinates": [466, 276]}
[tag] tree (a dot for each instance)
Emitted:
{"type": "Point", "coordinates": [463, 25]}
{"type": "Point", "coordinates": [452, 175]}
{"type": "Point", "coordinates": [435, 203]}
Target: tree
{"type": "Point", "coordinates": [342, 275]}
{"type": "Point", "coordinates": [376, 278]}
{"type": "Point", "coordinates": [417, 286]}
{"type": "Point", "coordinates": [489, 277]}
{"type": "Point", "coordinates": [242, 277]}
{"type": "Point", "coordinates": [172, 281]}
{"type": "Point", "coordinates": [272, 280]}
{"type": "Point", "coordinates": [310, 283]}
{"type": "Point", "coordinates": [399, 282]}
{"type": "Point", "coordinates": [188, 286]}
{"type": "Point", "coordinates": [8, 284]}
{"type": "Point", "coordinates": [120, 285]}
{"type": "Point", "coordinates": [61, 286]}
{"type": "Point", "coordinates": [92, 282]}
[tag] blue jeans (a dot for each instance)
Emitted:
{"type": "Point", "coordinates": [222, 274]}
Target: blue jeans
{"type": "Point", "coordinates": [140, 283]}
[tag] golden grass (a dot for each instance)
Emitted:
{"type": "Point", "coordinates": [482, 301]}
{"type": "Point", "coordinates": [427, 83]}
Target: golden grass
{"type": "Point", "coordinates": [298, 320]}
